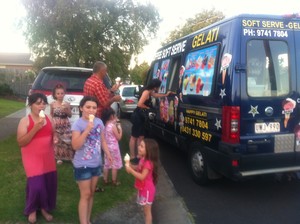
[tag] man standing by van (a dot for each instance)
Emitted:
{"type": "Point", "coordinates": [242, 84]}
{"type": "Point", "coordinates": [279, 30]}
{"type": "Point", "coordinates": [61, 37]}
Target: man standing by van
{"type": "Point", "coordinates": [95, 86]}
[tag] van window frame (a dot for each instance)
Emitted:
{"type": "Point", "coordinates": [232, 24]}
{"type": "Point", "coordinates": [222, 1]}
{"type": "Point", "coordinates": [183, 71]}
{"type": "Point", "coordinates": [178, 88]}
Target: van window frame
{"type": "Point", "coordinates": [214, 67]}
{"type": "Point", "coordinates": [271, 88]}
{"type": "Point", "coordinates": [174, 77]}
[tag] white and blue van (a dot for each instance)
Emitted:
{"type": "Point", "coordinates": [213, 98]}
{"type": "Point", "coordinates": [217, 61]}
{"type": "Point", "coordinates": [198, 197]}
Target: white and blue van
{"type": "Point", "coordinates": [236, 110]}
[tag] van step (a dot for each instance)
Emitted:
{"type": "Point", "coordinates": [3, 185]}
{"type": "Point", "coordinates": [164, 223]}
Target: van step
{"type": "Point", "coordinates": [268, 171]}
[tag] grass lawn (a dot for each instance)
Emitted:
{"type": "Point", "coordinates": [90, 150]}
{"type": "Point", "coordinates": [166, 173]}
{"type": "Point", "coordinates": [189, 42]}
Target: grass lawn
{"type": "Point", "coordinates": [9, 106]}
{"type": "Point", "coordinates": [13, 181]}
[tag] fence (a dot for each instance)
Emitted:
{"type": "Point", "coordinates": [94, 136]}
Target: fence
{"type": "Point", "coordinates": [18, 80]}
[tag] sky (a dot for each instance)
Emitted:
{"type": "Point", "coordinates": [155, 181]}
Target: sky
{"type": "Point", "coordinates": [172, 14]}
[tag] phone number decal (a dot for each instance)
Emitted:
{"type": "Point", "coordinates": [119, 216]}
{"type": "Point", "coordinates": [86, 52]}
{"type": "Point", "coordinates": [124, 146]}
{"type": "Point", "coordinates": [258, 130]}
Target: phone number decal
{"type": "Point", "coordinates": [265, 33]}
{"type": "Point", "coordinates": [196, 133]}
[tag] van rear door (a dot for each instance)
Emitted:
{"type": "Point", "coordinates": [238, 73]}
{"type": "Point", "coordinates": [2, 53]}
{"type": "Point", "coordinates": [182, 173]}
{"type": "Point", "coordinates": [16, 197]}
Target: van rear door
{"type": "Point", "coordinates": [268, 96]}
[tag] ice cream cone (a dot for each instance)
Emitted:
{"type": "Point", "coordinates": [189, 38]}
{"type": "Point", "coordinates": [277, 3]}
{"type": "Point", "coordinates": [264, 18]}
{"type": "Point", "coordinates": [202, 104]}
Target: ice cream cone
{"type": "Point", "coordinates": [42, 114]}
{"type": "Point", "coordinates": [118, 80]}
{"type": "Point", "coordinates": [91, 117]}
{"type": "Point", "coordinates": [126, 159]}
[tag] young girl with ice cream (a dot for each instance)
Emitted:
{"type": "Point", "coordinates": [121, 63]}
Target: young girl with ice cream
{"type": "Point", "coordinates": [113, 134]}
{"type": "Point", "coordinates": [60, 111]}
{"type": "Point", "coordinates": [88, 140]}
{"type": "Point", "coordinates": [35, 136]}
{"type": "Point", "coordinates": [145, 174]}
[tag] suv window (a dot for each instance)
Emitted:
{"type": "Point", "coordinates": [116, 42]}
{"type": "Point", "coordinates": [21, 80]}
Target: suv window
{"type": "Point", "coordinates": [128, 91]}
{"type": "Point", "coordinates": [72, 80]}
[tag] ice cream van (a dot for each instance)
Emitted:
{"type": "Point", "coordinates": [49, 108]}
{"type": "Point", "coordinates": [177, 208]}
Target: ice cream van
{"type": "Point", "coordinates": [236, 108]}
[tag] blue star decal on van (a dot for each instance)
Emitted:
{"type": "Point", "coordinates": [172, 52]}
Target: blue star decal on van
{"type": "Point", "coordinates": [253, 111]}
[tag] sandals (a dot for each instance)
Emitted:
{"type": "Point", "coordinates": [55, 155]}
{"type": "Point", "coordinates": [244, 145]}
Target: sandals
{"type": "Point", "coordinates": [113, 183]}
{"type": "Point", "coordinates": [116, 183]}
{"type": "Point", "coordinates": [99, 189]}
{"type": "Point", "coordinates": [106, 183]}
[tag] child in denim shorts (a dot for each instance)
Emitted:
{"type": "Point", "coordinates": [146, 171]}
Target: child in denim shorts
{"type": "Point", "coordinates": [87, 141]}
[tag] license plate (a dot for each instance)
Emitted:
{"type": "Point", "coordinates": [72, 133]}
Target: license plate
{"type": "Point", "coordinates": [270, 127]}
{"type": "Point", "coordinates": [75, 110]}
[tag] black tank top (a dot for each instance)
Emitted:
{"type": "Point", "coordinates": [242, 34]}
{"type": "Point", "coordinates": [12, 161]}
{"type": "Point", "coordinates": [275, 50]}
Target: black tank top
{"type": "Point", "coordinates": [148, 102]}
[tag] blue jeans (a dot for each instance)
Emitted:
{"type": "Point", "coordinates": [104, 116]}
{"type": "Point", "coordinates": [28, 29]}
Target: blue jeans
{"type": "Point", "coordinates": [85, 173]}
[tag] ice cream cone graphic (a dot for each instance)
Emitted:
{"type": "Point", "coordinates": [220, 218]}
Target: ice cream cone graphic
{"type": "Point", "coordinates": [223, 75]}
{"type": "Point", "coordinates": [288, 107]}
{"type": "Point", "coordinates": [185, 82]}
{"type": "Point", "coordinates": [226, 59]}
{"type": "Point", "coordinates": [286, 119]}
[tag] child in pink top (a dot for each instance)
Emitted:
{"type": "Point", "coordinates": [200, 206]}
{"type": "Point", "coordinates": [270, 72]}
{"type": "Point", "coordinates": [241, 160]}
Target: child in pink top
{"type": "Point", "coordinates": [146, 175]}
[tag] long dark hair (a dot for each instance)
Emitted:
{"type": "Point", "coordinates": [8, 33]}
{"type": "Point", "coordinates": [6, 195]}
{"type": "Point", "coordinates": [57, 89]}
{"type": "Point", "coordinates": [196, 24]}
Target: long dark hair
{"type": "Point", "coordinates": [106, 113]}
{"type": "Point", "coordinates": [154, 83]}
{"type": "Point", "coordinates": [36, 97]}
{"type": "Point", "coordinates": [152, 154]}
{"type": "Point", "coordinates": [58, 86]}
{"type": "Point", "coordinates": [84, 100]}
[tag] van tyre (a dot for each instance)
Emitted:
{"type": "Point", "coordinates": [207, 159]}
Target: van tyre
{"type": "Point", "coordinates": [198, 165]}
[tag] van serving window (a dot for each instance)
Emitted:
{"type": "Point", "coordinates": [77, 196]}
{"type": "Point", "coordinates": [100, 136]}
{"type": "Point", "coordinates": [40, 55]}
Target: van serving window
{"type": "Point", "coordinates": [199, 72]}
{"type": "Point", "coordinates": [267, 68]}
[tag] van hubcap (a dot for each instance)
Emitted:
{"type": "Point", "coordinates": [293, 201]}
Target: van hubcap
{"type": "Point", "coordinates": [198, 163]}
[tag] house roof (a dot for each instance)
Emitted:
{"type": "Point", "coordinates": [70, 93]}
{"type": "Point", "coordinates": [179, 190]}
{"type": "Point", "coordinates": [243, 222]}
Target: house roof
{"type": "Point", "coordinates": [15, 59]}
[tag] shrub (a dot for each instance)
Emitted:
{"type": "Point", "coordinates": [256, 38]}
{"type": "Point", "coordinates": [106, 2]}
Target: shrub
{"type": "Point", "coordinates": [5, 90]}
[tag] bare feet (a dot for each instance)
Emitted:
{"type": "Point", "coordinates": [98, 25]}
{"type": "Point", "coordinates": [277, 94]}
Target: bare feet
{"type": "Point", "coordinates": [46, 215]}
{"type": "Point", "coordinates": [32, 218]}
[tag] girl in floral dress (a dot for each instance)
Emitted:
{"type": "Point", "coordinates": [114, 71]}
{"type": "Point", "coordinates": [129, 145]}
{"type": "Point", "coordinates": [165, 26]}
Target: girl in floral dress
{"type": "Point", "coordinates": [113, 134]}
{"type": "Point", "coordinates": [60, 112]}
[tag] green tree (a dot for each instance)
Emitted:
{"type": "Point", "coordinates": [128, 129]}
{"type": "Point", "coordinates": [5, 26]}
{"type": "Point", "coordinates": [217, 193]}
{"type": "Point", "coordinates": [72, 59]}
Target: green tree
{"type": "Point", "coordinates": [200, 20]}
{"type": "Point", "coordinates": [80, 32]}
{"type": "Point", "coordinates": [139, 73]}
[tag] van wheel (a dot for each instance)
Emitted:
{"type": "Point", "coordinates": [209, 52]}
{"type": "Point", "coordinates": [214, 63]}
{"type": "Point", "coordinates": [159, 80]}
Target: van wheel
{"type": "Point", "coordinates": [198, 165]}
